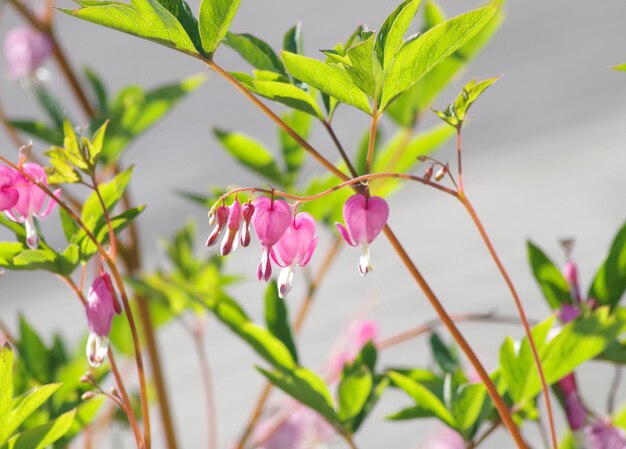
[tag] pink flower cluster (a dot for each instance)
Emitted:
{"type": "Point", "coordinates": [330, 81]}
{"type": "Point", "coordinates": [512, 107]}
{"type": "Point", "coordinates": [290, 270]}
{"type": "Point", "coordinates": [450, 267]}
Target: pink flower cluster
{"type": "Point", "coordinates": [289, 239]}
{"type": "Point", "coordinates": [22, 200]}
{"type": "Point", "coordinates": [25, 50]}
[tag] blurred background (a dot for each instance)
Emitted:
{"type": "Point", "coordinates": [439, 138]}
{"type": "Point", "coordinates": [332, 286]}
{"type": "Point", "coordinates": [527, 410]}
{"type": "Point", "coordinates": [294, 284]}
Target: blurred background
{"type": "Point", "coordinates": [544, 159]}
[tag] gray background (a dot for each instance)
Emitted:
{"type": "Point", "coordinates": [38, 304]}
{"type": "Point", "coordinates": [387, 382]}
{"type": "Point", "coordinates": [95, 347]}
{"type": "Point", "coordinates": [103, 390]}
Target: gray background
{"type": "Point", "coordinates": [544, 159]}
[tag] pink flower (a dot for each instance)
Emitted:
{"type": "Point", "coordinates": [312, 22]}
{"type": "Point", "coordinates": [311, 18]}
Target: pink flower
{"type": "Point", "coordinates": [231, 240]}
{"type": "Point", "coordinates": [364, 218]}
{"type": "Point", "coordinates": [270, 221]}
{"type": "Point", "coordinates": [31, 201]}
{"type": "Point", "coordinates": [100, 309]}
{"type": "Point", "coordinates": [221, 216]}
{"type": "Point", "coordinates": [295, 247]}
{"type": "Point", "coordinates": [247, 211]}
{"type": "Point", "coordinates": [359, 333]}
{"type": "Point", "coordinates": [574, 410]}
{"type": "Point", "coordinates": [8, 193]}
{"type": "Point", "coordinates": [604, 435]}
{"type": "Point", "coordinates": [25, 51]}
{"type": "Point", "coordinates": [444, 438]}
{"type": "Point", "coordinates": [570, 272]}
{"type": "Point", "coordinates": [302, 428]}
{"type": "Point", "coordinates": [568, 313]}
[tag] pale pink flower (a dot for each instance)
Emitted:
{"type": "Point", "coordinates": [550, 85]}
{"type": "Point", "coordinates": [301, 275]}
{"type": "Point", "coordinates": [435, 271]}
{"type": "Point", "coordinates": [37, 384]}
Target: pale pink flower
{"type": "Point", "coordinates": [359, 333]}
{"type": "Point", "coordinates": [444, 438]}
{"type": "Point", "coordinates": [8, 193]}
{"type": "Point", "coordinates": [364, 218]}
{"type": "Point", "coordinates": [604, 435]}
{"type": "Point", "coordinates": [574, 410]}
{"type": "Point", "coordinates": [301, 428]}
{"type": "Point", "coordinates": [295, 247]}
{"type": "Point", "coordinates": [219, 218]}
{"type": "Point", "coordinates": [230, 241]}
{"type": "Point", "coordinates": [25, 50]}
{"type": "Point", "coordinates": [31, 201]}
{"type": "Point", "coordinates": [270, 221]}
{"type": "Point", "coordinates": [100, 309]}
{"type": "Point", "coordinates": [247, 211]}
{"type": "Point", "coordinates": [568, 313]}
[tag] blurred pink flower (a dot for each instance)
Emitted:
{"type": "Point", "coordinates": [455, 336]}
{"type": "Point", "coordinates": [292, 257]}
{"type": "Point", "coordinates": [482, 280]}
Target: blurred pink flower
{"type": "Point", "coordinates": [270, 221]}
{"type": "Point", "coordinates": [444, 438]}
{"type": "Point", "coordinates": [364, 218]}
{"type": "Point", "coordinates": [302, 428]}
{"type": "Point", "coordinates": [31, 201]}
{"type": "Point", "coordinates": [25, 50]}
{"type": "Point", "coordinates": [358, 334]}
{"type": "Point", "coordinates": [230, 241]}
{"type": "Point", "coordinates": [295, 247]}
{"type": "Point", "coordinates": [100, 309]}
{"type": "Point", "coordinates": [247, 211]}
{"type": "Point", "coordinates": [604, 435]}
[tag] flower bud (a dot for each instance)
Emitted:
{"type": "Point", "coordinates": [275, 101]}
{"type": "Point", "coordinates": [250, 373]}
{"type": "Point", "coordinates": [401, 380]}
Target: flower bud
{"type": "Point", "coordinates": [221, 216]}
{"type": "Point", "coordinates": [100, 309]}
{"type": "Point", "coordinates": [246, 211]}
{"type": "Point", "coordinates": [441, 173]}
{"type": "Point", "coordinates": [230, 241]}
{"type": "Point", "coordinates": [25, 50]}
{"type": "Point", "coordinates": [428, 173]}
{"type": "Point", "coordinates": [88, 395]}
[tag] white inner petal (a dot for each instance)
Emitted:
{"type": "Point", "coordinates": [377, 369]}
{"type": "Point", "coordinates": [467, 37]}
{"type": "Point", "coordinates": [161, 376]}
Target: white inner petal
{"type": "Point", "coordinates": [285, 281]}
{"type": "Point", "coordinates": [365, 265]}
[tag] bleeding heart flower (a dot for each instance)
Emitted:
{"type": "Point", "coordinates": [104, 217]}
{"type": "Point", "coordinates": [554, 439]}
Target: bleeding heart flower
{"type": "Point", "coordinates": [270, 221]}
{"type": "Point", "coordinates": [25, 50]}
{"type": "Point", "coordinates": [364, 218]}
{"type": "Point", "coordinates": [295, 247]}
{"type": "Point", "coordinates": [221, 216]}
{"type": "Point", "coordinates": [101, 307]}
{"type": "Point", "coordinates": [8, 193]}
{"type": "Point", "coordinates": [247, 211]}
{"type": "Point", "coordinates": [231, 241]}
{"type": "Point", "coordinates": [31, 201]}
{"type": "Point", "coordinates": [604, 435]}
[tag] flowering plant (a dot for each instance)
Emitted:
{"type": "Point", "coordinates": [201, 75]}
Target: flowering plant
{"type": "Point", "coordinates": [64, 397]}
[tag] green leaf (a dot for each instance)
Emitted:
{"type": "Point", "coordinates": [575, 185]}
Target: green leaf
{"type": "Point", "coordinates": [455, 113]}
{"type": "Point", "coordinates": [380, 385]}
{"type": "Point", "coordinates": [33, 353]}
{"type": "Point", "coordinates": [111, 193]}
{"type": "Point", "coordinates": [255, 51]}
{"type": "Point", "coordinates": [405, 109]}
{"type": "Point", "coordinates": [428, 404]}
{"type": "Point", "coordinates": [418, 56]}
{"type": "Point", "coordinates": [277, 318]}
{"type": "Point", "coordinates": [42, 436]}
{"type": "Point", "coordinates": [289, 95]}
{"type": "Point", "coordinates": [147, 19]}
{"type": "Point", "coordinates": [391, 34]}
{"type": "Point", "coordinates": [135, 111]}
{"type": "Point", "coordinates": [354, 389]}
{"type": "Point", "coordinates": [554, 286]}
{"type": "Point", "coordinates": [609, 283]}
{"type": "Point", "coordinates": [292, 41]}
{"type": "Point", "coordinates": [25, 405]}
{"type": "Point", "coordinates": [331, 79]}
{"type": "Point", "coordinates": [466, 405]}
{"type": "Point", "coordinates": [619, 67]}
{"type": "Point", "coordinates": [49, 104]}
{"type": "Point", "coordinates": [96, 143]}
{"type": "Point", "coordinates": [446, 357]}
{"type": "Point", "coordinates": [364, 68]}
{"type": "Point", "coordinates": [6, 380]}
{"type": "Point", "coordinates": [98, 88]}
{"type": "Point", "coordinates": [251, 154]}
{"type": "Point", "coordinates": [215, 19]}
{"type": "Point", "coordinates": [306, 387]}
{"type": "Point", "coordinates": [39, 130]}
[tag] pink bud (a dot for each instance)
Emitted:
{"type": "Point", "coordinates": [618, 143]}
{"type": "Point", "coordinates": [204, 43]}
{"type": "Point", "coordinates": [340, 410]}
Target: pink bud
{"type": "Point", "coordinates": [428, 173]}
{"type": "Point", "coordinates": [25, 50]}
{"type": "Point", "coordinates": [295, 247]}
{"type": "Point", "coordinates": [8, 193]}
{"type": "Point", "coordinates": [270, 221]}
{"type": "Point", "coordinates": [568, 313]}
{"type": "Point", "coordinates": [364, 218]}
{"type": "Point", "coordinates": [100, 309]}
{"type": "Point", "coordinates": [570, 272]}
{"type": "Point", "coordinates": [575, 411]}
{"type": "Point", "coordinates": [604, 435]}
{"type": "Point", "coordinates": [229, 243]}
{"type": "Point", "coordinates": [247, 211]}
{"type": "Point", "coordinates": [221, 216]}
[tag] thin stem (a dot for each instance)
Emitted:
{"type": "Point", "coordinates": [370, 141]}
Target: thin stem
{"type": "Point", "coordinates": [340, 148]}
{"type": "Point", "coordinates": [486, 434]}
{"type": "Point", "coordinates": [298, 322]}
{"type": "Point", "coordinates": [432, 324]}
{"type": "Point", "coordinates": [120, 285]}
{"type": "Point", "coordinates": [350, 440]}
{"type": "Point", "coordinates": [520, 309]}
{"type": "Point", "coordinates": [107, 217]}
{"type": "Point", "coordinates": [59, 55]}
{"type": "Point", "coordinates": [458, 337]}
{"type": "Point", "coordinates": [459, 159]}
{"type": "Point", "coordinates": [613, 390]}
{"type": "Point", "coordinates": [207, 383]}
{"type": "Point", "coordinates": [276, 119]}
{"type": "Point", "coordinates": [372, 140]}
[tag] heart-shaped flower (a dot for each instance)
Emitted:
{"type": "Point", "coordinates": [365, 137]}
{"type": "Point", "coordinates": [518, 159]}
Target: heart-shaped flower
{"type": "Point", "coordinates": [100, 308]}
{"type": "Point", "coordinates": [25, 50]}
{"type": "Point", "coordinates": [270, 221]}
{"type": "Point", "coordinates": [295, 247]}
{"type": "Point", "coordinates": [8, 193]}
{"type": "Point", "coordinates": [364, 218]}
